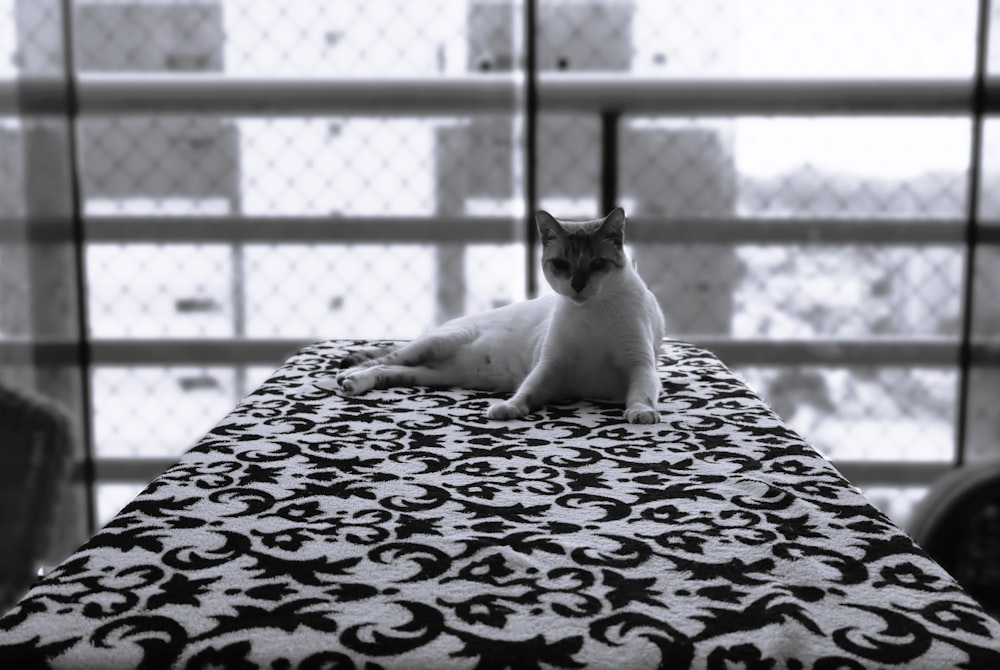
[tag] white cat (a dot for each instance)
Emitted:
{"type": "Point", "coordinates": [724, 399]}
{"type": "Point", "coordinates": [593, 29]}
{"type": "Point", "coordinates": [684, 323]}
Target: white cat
{"type": "Point", "coordinates": [597, 337]}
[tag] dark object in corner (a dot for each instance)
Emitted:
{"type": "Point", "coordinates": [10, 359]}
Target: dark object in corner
{"type": "Point", "coordinates": [35, 454]}
{"type": "Point", "coordinates": [958, 524]}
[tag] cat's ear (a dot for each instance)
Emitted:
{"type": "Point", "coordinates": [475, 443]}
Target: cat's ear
{"type": "Point", "coordinates": [548, 228]}
{"type": "Point", "coordinates": [613, 227]}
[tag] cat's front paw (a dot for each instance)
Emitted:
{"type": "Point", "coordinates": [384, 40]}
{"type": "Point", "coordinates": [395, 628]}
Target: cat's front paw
{"type": "Point", "coordinates": [644, 415]}
{"type": "Point", "coordinates": [355, 382]}
{"type": "Point", "coordinates": [506, 410]}
{"type": "Point", "coordinates": [343, 376]}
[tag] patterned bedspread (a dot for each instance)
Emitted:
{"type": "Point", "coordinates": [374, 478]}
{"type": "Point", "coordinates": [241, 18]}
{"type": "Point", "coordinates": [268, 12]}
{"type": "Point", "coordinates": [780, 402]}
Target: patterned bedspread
{"type": "Point", "coordinates": [403, 529]}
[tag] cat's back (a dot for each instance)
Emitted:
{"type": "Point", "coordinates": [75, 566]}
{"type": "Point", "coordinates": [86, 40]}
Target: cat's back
{"type": "Point", "coordinates": [523, 319]}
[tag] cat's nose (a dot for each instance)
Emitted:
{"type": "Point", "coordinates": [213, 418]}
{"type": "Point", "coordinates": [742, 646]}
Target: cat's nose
{"type": "Point", "coordinates": [578, 282]}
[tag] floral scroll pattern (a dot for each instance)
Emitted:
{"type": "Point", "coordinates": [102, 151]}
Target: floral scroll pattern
{"type": "Point", "coordinates": [403, 529]}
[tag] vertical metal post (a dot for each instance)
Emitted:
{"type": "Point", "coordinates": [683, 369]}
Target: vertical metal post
{"type": "Point", "coordinates": [238, 282]}
{"type": "Point", "coordinates": [530, 144]}
{"type": "Point", "coordinates": [972, 232]}
{"type": "Point", "coordinates": [80, 258]}
{"type": "Point", "coordinates": [609, 160]}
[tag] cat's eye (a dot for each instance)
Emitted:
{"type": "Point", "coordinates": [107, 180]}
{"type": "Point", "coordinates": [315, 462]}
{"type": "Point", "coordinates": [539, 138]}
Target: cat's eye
{"type": "Point", "coordinates": [599, 264]}
{"type": "Point", "coordinates": [559, 265]}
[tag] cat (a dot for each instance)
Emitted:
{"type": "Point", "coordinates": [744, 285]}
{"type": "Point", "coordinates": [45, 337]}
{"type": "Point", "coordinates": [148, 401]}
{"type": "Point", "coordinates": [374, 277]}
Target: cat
{"type": "Point", "coordinates": [597, 337]}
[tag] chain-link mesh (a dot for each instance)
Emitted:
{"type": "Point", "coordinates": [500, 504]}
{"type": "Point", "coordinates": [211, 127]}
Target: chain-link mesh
{"type": "Point", "coordinates": [909, 413]}
{"type": "Point", "coordinates": [849, 170]}
{"type": "Point", "coordinates": [815, 292]}
{"type": "Point", "coordinates": [992, 45]}
{"type": "Point", "coordinates": [137, 170]}
{"type": "Point", "coordinates": [38, 296]}
{"type": "Point", "coordinates": [15, 289]}
{"type": "Point", "coordinates": [787, 38]}
{"type": "Point", "coordinates": [334, 167]}
{"type": "Point", "coordinates": [989, 197]}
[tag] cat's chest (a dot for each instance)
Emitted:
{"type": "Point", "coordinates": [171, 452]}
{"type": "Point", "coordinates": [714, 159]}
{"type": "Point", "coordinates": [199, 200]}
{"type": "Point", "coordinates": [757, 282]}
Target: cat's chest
{"type": "Point", "coordinates": [592, 372]}
{"type": "Point", "coordinates": [593, 334]}
{"type": "Point", "coordinates": [593, 356]}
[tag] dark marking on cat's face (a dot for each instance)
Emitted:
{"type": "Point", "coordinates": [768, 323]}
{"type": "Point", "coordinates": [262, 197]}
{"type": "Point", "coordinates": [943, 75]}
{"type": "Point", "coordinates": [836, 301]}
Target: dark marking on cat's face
{"type": "Point", "coordinates": [577, 256]}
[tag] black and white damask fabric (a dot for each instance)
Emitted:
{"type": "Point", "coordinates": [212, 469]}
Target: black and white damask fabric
{"type": "Point", "coordinates": [403, 529]}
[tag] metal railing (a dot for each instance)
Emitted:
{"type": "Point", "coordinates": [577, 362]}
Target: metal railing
{"type": "Point", "coordinates": [493, 93]}
{"type": "Point", "coordinates": [610, 97]}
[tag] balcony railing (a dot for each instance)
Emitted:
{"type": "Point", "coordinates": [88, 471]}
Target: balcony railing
{"type": "Point", "coordinates": [587, 93]}
{"type": "Point", "coordinates": [92, 95]}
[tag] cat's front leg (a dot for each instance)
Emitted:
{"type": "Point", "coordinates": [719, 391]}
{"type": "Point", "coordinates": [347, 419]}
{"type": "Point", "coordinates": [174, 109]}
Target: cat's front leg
{"type": "Point", "coordinates": [531, 393]}
{"type": "Point", "coordinates": [643, 391]}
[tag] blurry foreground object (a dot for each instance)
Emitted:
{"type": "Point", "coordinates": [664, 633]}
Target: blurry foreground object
{"type": "Point", "coordinates": [958, 524]}
{"type": "Point", "coordinates": [35, 455]}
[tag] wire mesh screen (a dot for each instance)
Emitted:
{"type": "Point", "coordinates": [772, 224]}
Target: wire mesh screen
{"type": "Point", "coordinates": [234, 170]}
{"type": "Point", "coordinates": [38, 308]}
{"type": "Point", "coordinates": [783, 170]}
{"type": "Point", "coordinates": [983, 421]}
{"type": "Point", "coordinates": [748, 228]}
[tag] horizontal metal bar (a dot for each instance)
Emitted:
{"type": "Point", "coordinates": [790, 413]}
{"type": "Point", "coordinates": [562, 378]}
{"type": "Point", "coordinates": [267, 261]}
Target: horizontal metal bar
{"type": "Point", "coordinates": [732, 97]}
{"type": "Point", "coordinates": [290, 230]}
{"type": "Point", "coordinates": [103, 93]}
{"type": "Point", "coordinates": [193, 352]}
{"type": "Point", "coordinates": [887, 351]}
{"type": "Point", "coordinates": [45, 230]}
{"type": "Point", "coordinates": [224, 351]}
{"type": "Point", "coordinates": [487, 230]}
{"type": "Point", "coordinates": [892, 473]}
{"type": "Point", "coordinates": [987, 233]}
{"type": "Point", "coordinates": [141, 352]}
{"type": "Point", "coordinates": [54, 353]}
{"type": "Point", "coordinates": [496, 93]}
{"type": "Point", "coordinates": [138, 470]}
{"type": "Point", "coordinates": [796, 231]}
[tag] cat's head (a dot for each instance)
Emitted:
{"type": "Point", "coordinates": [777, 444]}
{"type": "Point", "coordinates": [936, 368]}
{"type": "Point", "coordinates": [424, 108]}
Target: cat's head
{"type": "Point", "coordinates": [579, 257]}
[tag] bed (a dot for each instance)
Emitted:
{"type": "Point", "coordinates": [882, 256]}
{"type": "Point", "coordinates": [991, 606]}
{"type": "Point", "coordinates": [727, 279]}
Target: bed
{"type": "Point", "coordinates": [402, 529]}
